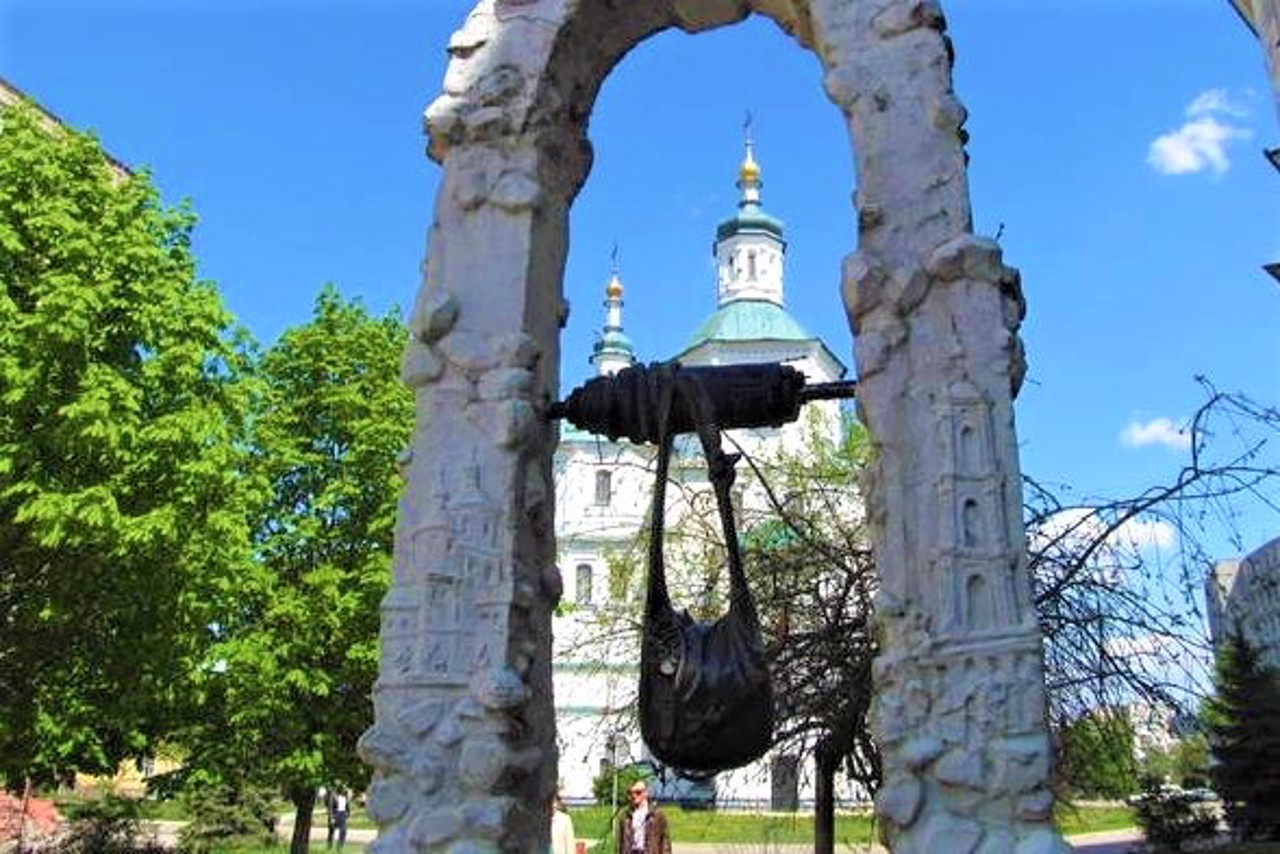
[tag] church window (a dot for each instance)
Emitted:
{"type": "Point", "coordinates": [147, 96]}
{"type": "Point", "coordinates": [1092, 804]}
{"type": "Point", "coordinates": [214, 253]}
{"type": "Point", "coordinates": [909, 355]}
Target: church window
{"type": "Point", "coordinates": [969, 520]}
{"type": "Point", "coordinates": [583, 583]}
{"type": "Point", "coordinates": [981, 610]}
{"type": "Point", "coordinates": [604, 487]}
{"type": "Point", "coordinates": [751, 265]}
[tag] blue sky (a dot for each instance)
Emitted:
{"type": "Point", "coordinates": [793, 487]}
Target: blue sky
{"type": "Point", "coordinates": [1116, 145]}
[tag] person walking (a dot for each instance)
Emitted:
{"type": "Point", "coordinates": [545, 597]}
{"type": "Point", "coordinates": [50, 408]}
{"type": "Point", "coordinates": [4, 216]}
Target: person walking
{"type": "Point", "coordinates": [339, 804]}
{"type": "Point", "coordinates": [562, 838]}
{"type": "Point", "coordinates": [643, 828]}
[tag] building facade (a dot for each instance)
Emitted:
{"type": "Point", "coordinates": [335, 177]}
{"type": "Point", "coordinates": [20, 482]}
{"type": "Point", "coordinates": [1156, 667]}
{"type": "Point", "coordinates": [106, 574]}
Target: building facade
{"type": "Point", "coordinates": [11, 96]}
{"type": "Point", "coordinates": [1244, 596]}
{"type": "Point", "coordinates": [603, 491]}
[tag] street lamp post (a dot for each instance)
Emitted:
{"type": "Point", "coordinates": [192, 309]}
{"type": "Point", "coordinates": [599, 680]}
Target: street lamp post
{"type": "Point", "coordinates": [613, 745]}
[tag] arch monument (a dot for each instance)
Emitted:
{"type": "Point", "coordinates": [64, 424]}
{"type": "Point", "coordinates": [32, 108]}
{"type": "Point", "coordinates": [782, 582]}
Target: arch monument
{"type": "Point", "coordinates": [464, 736]}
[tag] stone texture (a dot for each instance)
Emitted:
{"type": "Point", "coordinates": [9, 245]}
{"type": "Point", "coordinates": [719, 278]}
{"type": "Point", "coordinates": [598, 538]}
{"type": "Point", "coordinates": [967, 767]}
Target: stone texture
{"type": "Point", "coordinates": [919, 752]}
{"type": "Point", "coordinates": [901, 800]}
{"type": "Point", "coordinates": [1037, 806]}
{"type": "Point", "coordinates": [945, 832]}
{"type": "Point", "coordinates": [962, 768]}
{"type": "Point", "coordinates": [464, 726]}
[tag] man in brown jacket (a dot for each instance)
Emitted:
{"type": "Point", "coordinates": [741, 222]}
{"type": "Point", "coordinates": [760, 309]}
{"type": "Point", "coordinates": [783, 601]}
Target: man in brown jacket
{"type": "Point", "coordinates": [643, 828]}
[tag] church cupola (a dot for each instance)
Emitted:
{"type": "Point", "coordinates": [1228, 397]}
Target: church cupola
{"type": "Point", "coordinates": [749, 248]}
{"type": "Point", "coordinates": [612, 351]}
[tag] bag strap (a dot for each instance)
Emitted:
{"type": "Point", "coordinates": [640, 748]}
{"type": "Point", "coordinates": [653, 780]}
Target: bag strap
{"type": "Point", "coordinates": [670, 382]}
{"type": "Point", "coordinates": [661, 379]}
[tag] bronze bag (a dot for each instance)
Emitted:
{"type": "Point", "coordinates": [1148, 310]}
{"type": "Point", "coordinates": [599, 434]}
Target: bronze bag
{"type": "Point", "coordinates": [706, 698]}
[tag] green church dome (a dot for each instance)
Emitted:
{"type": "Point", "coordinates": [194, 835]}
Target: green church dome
{"type": "Point", "coordinates": [750, 219]}
{"type": "Point", "coordinates": [749, 320]}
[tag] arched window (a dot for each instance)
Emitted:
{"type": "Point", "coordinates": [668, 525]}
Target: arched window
{"type": "Point", "coordinates": [584, 580]}
{"type": "Point", "coordinates": [604, 487]}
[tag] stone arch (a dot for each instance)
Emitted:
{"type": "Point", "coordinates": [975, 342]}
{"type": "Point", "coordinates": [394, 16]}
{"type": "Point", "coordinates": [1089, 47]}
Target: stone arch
{"type": "Point", "coordinates": [524, 75]}
{"type": "Point", "coordinates": [463, 739]}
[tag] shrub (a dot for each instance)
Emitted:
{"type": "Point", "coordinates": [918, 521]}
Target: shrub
{"type": "Point", "coordinates": [1171, 817]}
{"type": "Point", "coordinates": [222, 814]}
{"type": "Point", "coordinates": [110, 825]}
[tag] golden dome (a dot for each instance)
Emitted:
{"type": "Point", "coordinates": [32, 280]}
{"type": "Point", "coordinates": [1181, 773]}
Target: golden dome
{"type": "Point", "coordinates": [750, 169]}
{"type": "Point", "coordinates": [614, 289]}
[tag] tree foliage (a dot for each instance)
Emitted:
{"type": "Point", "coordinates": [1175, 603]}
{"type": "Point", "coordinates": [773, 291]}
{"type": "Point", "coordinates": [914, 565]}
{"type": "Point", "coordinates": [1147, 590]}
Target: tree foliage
{"type": "Point", "coordinates": [1184, 763]}
{"type": "Point", "coordinates": [611, 785]}
{"type": "Point", "coordinates": [297, 656]}
{"type": "Point", "coordinates": [121, 456]}
{"type": "Point", "coordinates": [1243, 719]}
{"type": "Point", "coordinates": [1097, 755]}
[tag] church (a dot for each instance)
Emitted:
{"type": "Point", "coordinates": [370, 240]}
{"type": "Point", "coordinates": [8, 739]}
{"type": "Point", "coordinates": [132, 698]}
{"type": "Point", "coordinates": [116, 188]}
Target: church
{"type": "Point", "coordinates": [603, 491]}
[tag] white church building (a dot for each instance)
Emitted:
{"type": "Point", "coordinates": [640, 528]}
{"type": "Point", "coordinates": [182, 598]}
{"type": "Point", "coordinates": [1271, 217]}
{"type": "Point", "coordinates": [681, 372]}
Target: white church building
{"type": "Point", "coordinates": [603, 493]}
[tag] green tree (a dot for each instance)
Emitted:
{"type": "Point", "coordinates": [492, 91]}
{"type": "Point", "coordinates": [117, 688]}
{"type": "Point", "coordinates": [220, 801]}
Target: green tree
{"type": "Point", "coordinates": [121, 456]}
{"type": "Point", "coordinates": [1243, 721]}
{"type": "Point", "coordinates": [1096, 754]}
{"type": "Point", "coordinates": [1185, 763]}
{"type": "Point", "coordinates": [1191, 761]}
{"type": "Point", "coordinates": [298, 656]}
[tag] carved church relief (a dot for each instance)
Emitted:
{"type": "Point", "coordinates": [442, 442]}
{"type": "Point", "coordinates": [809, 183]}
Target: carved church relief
{"type": "Point", "coordinates": [971, 525]}
{"type": "Point", "coordinates": [980, 610]}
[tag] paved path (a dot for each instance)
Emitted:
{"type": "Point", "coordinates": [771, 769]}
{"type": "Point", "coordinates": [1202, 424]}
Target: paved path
{"type": "Point", "coordinates": [1108, 842]}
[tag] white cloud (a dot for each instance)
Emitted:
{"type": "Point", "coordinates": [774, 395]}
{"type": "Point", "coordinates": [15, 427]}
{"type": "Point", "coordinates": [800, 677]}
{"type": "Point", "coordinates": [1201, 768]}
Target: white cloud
{"type": "Point", "coordinates": [1157, 431]}
{"type": "Point", "coordinates": [1082, 525]}
{"type": "Point", "coordinates": [1216, 101]}
{"type": "Point", "coordinates": [1202, 141]}
{"type": "Point", "coordinates": [1145, 534]}
{"type": "Point", "coordinates": [1196, 146]}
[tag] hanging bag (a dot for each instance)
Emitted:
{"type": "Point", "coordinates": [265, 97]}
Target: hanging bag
{"type": "Point", "coordinates": [706, 699]}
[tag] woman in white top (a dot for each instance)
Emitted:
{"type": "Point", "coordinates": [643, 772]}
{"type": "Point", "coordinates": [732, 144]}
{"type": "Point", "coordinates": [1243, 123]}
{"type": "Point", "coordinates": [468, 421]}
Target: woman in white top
{"type": "Point", "coordinates": [562, 838]}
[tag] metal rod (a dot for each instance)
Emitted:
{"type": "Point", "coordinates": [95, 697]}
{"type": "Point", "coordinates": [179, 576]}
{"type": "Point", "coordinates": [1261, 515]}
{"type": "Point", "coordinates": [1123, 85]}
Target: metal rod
{"type": "Point", "coordinates": [838, 390]}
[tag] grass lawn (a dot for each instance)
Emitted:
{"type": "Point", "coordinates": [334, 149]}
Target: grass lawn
{"type": "Point", "coordinates": [358, 819]}
{"type": "Point", "coordinates": [72, 805]}
{"type": "Point", "coordinates": [851, 828]}
{"type": "Point", "coordinates": [1073, 820]}
{"type": "Point", "coordinates": [709, 826]}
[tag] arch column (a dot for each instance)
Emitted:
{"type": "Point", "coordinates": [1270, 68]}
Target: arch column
{"type": "Point", "coordinates": [959, 708]}
{"type": "Point", "coordinates": [463, 741]}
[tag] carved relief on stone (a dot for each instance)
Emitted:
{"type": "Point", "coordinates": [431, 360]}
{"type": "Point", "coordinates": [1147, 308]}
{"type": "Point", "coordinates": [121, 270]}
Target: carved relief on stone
{"type": "Point", "coordinates": [401, 627]}
{"type": "Point", "coordinates": [1028, 694]}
